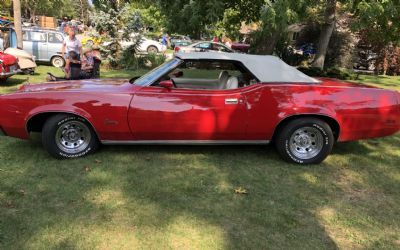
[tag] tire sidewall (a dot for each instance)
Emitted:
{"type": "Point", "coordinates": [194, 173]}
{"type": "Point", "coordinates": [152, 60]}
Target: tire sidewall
{"type": "Point", "coordinates": [322, 127]}
{"type": "Point", "coordinates": [50, 130]}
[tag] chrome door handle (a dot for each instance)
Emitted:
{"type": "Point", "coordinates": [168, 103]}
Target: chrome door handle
{"type": "Point", "coordinates": [231, 101]}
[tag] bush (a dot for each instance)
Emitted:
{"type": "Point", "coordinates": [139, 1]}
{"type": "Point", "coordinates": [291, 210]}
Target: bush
{"type": "Point", "coordinates": [339, 73]}
{"type": "Point", "coordinates": [312, 71]}
{"type": "Point", "coordinates": [131, 60]}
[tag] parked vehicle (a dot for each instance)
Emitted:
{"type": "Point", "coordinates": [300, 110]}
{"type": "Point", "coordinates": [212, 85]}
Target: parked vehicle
{"type": "Point", "coordinates": [26, 62]}
{"type": "Point", "coordinates": [203, 98]}
{"type": "Point", "coordinates": [180, 40]}
{"type": "Point", "coordinates": [44, 44]}
{"type": "Point", "coordinates": [146, 45]}
{"type": "Point", "coordinates": [241, 46]}
{"type": "Point", "coordinates": [204, 47]}
{"type": "Point", "coordinates": [8, 66]}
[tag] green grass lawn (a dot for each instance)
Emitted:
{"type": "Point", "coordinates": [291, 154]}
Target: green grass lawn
{"type": "Point", "coordinates": [170, 197]}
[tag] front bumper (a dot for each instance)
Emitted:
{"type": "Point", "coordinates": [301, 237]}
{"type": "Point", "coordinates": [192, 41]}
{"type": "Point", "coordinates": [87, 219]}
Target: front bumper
{"type": "Point", "coordinates": [10, 73]}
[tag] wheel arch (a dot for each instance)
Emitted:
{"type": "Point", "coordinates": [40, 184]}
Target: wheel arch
{"type": "Point", "coordinates": [332, 122]}
{"type": "Point", "coordinates": [36, 122]}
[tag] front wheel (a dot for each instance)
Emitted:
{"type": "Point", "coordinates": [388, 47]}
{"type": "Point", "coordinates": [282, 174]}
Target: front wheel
{"type": "Point", "coordinates": [305, 141]}
{"type": "Point", "coordinates": [68, 136]}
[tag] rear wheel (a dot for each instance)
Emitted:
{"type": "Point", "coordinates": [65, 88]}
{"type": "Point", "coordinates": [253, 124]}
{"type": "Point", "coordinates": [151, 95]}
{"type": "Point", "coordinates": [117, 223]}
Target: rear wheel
{"type": "Point", "coordinates": [57, 61]}
{"type": "Point", "coordinates": [305, 141]}
{"type": "Point", "coordinates": [68, 136]}
{"type": "Point", "coordinates": [152, 49]}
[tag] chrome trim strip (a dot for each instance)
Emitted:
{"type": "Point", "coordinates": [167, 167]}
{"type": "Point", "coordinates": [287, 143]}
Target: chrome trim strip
{"type": "Point", "coordinates": [186, 142]}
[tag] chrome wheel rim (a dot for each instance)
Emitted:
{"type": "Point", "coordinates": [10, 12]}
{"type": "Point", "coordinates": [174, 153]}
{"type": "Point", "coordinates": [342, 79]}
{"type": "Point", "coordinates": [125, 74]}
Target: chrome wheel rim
{"type": "Point", "coordinates": [306, 143]}
{"type": "Point", "coordinates": [58, 62]}
{"type": "Point", "coordinates": [73, 137]}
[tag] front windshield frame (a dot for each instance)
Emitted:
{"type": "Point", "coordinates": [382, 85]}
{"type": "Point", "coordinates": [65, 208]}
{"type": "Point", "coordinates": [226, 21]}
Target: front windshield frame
{"type": "Point", "coordinates": [155, 74]}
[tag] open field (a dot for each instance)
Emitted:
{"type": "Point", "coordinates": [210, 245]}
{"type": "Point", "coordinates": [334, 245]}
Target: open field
{"type": "Point", "coordinates": [170, 197]}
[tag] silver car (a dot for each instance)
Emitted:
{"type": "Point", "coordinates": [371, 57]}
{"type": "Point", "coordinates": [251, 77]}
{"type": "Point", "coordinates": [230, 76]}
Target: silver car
{"type": "Point", "coordinates": [44, 44]}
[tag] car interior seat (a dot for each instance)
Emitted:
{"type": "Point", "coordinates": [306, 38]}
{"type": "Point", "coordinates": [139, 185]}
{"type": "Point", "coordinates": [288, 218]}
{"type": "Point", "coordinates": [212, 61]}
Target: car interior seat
{"type": "Point", "coordinates": [223, 79]}
{"type": "Point", "coordinates": [232, 83]}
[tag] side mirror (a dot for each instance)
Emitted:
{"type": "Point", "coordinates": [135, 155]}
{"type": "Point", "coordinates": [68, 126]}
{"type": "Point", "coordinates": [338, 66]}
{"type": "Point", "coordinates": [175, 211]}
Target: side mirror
{"type": "Point", "coordinates": [167, 84]}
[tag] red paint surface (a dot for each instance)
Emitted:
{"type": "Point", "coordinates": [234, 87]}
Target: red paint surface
{"type": "Point", "coordinates": [7, 61]}
{"type": "Point", "coordinates": [122, 111]}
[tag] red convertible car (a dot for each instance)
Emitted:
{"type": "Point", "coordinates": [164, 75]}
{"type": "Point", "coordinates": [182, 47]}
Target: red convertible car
{"type": "Point", "coordinates": [203, 98]}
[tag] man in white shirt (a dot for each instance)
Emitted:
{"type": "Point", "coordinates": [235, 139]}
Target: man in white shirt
{"type": "Point", "coordinates": [71, 43]}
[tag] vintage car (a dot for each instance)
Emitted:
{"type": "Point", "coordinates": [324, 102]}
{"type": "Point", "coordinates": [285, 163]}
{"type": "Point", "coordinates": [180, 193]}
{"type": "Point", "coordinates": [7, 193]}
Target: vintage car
{"type": "Point", "coordinates": [203, 98]}
{"type": "Point", "coordinates": [8, 66]}
{"type": "Point", "coordinates": [203, 47]}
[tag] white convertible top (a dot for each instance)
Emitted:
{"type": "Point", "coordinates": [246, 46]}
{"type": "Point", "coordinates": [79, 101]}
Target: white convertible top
{"type": "Point", "coordinates": [265, 68]}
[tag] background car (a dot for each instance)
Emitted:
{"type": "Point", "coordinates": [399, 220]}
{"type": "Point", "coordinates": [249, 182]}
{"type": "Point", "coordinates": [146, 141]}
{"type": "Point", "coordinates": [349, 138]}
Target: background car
{"type": "Point", "coordinates": [8, 66]}
{"type": "Point", "coordinates": [204, 47]}
{"type": "Point", "coordinates": [180, 40]}
{"type": "Point", "coordinates": [146, 44]}
{"type": "Point", "coordinates": [44, 44]}
{"type": "Point", "coordinates": [240, 47]}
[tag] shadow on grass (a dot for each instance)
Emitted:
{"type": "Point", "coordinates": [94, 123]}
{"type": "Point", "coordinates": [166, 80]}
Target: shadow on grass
{"type": "Point", "coordinates": [183, 197]}
{"type": "Point", "coordinates": [13, 81]}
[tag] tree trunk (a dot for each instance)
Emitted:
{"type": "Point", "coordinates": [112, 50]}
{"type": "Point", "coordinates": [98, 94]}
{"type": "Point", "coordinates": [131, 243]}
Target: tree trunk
{"type": "Point", "coordinates": [266, 45]}
{"type": "Point", "coordinates": [326, 33]}
{"type": "Point", "coordinates": [18, 22]}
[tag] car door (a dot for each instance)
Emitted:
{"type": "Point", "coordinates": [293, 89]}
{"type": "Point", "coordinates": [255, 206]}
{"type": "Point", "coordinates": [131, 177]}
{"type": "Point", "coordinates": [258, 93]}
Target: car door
{"type": "Point", "coordinates": [26, 38]}
{"type": "Point", "coordinates": [160, 114]}
{"type": "Point", "coordinates": [54, 46]}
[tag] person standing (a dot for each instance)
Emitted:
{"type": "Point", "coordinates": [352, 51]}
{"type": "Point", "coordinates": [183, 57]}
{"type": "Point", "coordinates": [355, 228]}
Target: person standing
{"type": "Point", "coordinates": [164, 43]}
{"type": "Point", "coordinates": [71, 43]}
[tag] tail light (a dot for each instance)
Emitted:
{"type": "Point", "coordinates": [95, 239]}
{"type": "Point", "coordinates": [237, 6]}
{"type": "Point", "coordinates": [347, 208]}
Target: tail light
{"type": "Point", "coordinates": [177, 49]}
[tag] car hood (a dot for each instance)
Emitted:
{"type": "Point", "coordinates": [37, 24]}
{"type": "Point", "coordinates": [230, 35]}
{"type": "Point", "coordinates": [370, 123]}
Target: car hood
{"type": "Point", "coordinates": [90, 85]}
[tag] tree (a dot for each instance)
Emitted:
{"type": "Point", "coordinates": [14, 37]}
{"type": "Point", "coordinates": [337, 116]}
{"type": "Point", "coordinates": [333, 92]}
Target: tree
{"type": "Point", "coordinates": [18, 22]}
{"type": "Point", "coordinates": [326, 33]}
{"type": "Point", "coordinates": [275, 18]}
{"type": "Point", "coordinates": [378, 23]}
{"type": "Point", "coordinates": [109, 23]}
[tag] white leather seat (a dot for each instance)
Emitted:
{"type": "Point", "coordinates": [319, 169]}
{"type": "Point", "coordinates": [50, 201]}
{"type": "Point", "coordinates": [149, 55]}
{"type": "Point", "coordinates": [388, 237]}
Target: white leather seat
{"type": "Point", "coordinates": [223, 79]}
{"type": "Point", "coordinates": [232, 83]}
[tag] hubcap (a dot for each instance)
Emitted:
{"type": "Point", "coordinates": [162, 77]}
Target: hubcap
{"type": "Point", "coordinates": [306, 143]}
{"type": "Point", "coordinates": [73, 137]}
{"type": "Point", "coordinates": [58, 62]}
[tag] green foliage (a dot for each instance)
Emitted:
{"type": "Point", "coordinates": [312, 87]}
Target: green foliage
{"type": "Point", "coordinates": [132, 61]}
{"type": "Point", "coordinates": [152, 18]}
{"type": "Point", "coordinates": [379, 19]}
{"type": "Point", "coordinates": [57, 8]}
{"type": "Point", "coordinates": [109, 22]}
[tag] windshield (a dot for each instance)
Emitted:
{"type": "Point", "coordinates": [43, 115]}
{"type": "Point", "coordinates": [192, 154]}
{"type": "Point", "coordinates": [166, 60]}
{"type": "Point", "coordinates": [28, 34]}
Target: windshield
{"type": "Point", "coordinates": [158, 72]}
